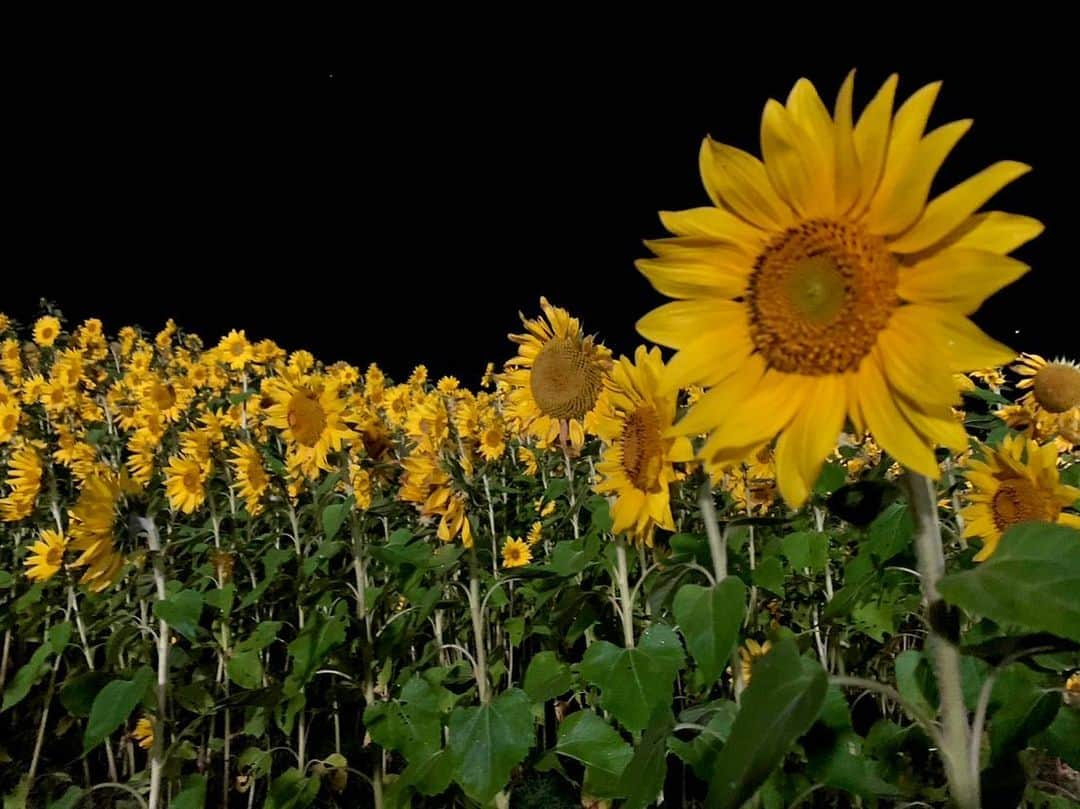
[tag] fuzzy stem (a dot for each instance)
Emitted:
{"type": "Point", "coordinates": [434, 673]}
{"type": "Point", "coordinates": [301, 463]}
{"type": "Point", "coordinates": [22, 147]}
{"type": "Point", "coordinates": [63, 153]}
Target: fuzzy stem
{"type": "Point", "coordinates": [476, 610]}
{"type": "Point", "coordinates": [956, 735]}
{"type": "Point", "coordinates": [626, 596]}
{"type": "Point", "coordinates": [153, 540]}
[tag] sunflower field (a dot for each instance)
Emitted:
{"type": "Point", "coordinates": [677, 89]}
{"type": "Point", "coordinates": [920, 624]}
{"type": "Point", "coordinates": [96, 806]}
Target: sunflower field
{"type": "Point", "coordinates": [824, 551]}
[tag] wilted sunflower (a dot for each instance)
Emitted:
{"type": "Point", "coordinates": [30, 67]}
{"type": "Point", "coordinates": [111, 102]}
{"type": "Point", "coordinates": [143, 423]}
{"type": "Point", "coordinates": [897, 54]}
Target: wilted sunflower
{"type": "Point", "coordinates": [637, 463]}
{"type": "Point", "coordinates": [556, 378]}
{"type": "Point", "coordinates": [1053, 394]}
{"type": "Point", "coordinates": [823, 285]}
{"type": "Point", "coordinates": [46, 556]}
{"type": "Point", "coordinates": [1017, 482]}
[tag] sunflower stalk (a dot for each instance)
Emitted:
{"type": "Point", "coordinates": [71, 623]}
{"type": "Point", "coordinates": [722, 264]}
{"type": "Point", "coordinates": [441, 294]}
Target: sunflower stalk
{"type": "Point", "coordinates": [956, 734]}
{"type": "Point", "coordinates": [626, 595]}
{"type": "Point", "coordinates": [476, 611]}
{"type": "Point", "coordinates": [153, 541]}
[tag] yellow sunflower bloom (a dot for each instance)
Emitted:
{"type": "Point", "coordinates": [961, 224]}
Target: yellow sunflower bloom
{"type": "Point", "coordinates": [46, 556]}
{"type": "Point", "coordinates": [91, 529]}
{"type": "Point", "coordinates": [235, 350]}
{"type": "Point", "coordinates": [823, 286]}
{"type": "Point", "coordinates": [309, 414]}
{"type": "Point", "coordinates": [556, 378]}
{"type": "Point", "coordinates": [1015, 483]}
{"type": "Point", "coordinates": [1053, 395]}
{"type": "Point", "coordinates": [144, 733]}
{"type": "Point", "coordinates": [492, 440]}
{"type": "Point", "coordinates": [185, 484]}
{"type": "Point", "coordinates": [515, 553]}
{"type": "Point", "coordinates": [46, 330]}
{"type": "Point", "coordinates": [527, 458]}
{"type": "Point", "coordinates": [749, 655]}
{"type": "Point", "coordinates": [536, 533]}
{"type": "Point", "coordinates": [637, 465]}
{"type": "Point", "coordinates": [251, 478]}
{"type": "Point", "coordinates": [9, 421]}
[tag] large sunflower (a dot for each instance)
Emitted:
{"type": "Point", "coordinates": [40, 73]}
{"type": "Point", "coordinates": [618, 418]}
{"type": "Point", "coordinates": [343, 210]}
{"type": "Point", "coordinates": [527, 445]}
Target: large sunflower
{"type": "Point", "coordinates": [1015, 483]}
{"type": "Point", "coordinates": [556, 378]}
{"type": "Point", "coordinates": [637, 464]}
{"type": "Point", "coordinates": [308, 411]}
{"type": "Point", "coordinates": [823, 286]}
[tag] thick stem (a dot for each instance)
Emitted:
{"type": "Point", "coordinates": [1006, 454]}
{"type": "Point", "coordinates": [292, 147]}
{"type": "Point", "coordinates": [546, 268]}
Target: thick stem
{"type": "Point", "coordinates": [153, 540]}
{"type": "Point", "coordinates": [626, 596]}
{"type": "Point", "coordinates": [717, 540]}
{"type": "Point", "coordinates": [476, 610]}
{"type": "Point", "coordinates": [73, 606]}
{"type": "Point", "coordinates": [956, 735]}
{"type": "Point", "coordinates": [4, 659]}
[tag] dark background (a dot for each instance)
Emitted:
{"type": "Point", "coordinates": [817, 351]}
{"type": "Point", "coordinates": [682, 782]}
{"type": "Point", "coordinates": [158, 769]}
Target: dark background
{"type": "Point", "coordinates": [402, 206]}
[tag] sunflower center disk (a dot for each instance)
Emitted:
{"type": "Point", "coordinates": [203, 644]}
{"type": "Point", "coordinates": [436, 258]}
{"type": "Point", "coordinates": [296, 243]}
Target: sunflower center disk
{"type": "Point", "coordinates": [1057, 387]}
{"type": "Point", "coordinates": [164, 396]}
{"type": "Point", "coordinates": [565, 379]}
{"type": "Point", "coordinates": [1016, 501]}
{"type": "Point", "coordinates": [306, 419]}
{"type": "Point", "coordinates": [54, 556]}
{"type": "Point", "coordinates": [642, 452]}
{"type": "Point", "coordinates": [819, 295]}
{"type": "Point", "coordinates": [191, 481]}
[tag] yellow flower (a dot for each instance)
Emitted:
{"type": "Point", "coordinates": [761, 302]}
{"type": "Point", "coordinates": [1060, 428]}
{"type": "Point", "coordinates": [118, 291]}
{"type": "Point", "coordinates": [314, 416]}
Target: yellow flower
{"type": "Point", "coordinates": [184, 484]}
{"type": "Point", "coordinates": [309, 413]}
{"type": "Point", "coordinates": [9, 421]}
{"type": "Point", "coordinates": [91, 530]}
{"type": "Point", "coordinates": [235, 350]}
{"type": "Point", "coordinates": [556, 378]}
{"type": "Point", "coordinates": [1053, 395]}
{"type": "Point", "coordinates": [1015, 483]}
{"type": "Point", "coordinates": [492, 440]}
{"type": "Point", "coordinates": [527, 458]}
{"type": "Point", "coordinates": [251, 478]}
{"type": "Point", "coordinates": [515, 553]}
{"type": "Point", "coordinates": [823, 286]}
{"type": "Point", "coordinates": [637, 462]}
{"type": "Point", "coordinates": [5, 323]}
{"type": "Point", "coordinates": [749, 655]}
{"type": "Point", "coordinates": [454, 520]}
{"type": "Point", "coordinates": [47, 556]}
{"type": "Point", "coordinates": [536, 533]}
{"type": "Point", "coordinates": [361, 486]}
{"type": "Point", "coordinates": [486, 381]}
{"type": "Point", "coordinates": [24, 479]}
{"type": "Point", "coordinates": [46, 330]}
{"type": "Point", "coordinates": [144, 733]}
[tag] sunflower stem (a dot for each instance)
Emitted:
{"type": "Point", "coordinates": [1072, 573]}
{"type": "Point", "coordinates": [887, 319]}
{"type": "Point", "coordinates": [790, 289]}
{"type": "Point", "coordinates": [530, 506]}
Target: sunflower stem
{"type": "Point", "coordinates": [626, 596]}
{"type": "Point", "coordinates": [717, 541]}
{"type": "Point", "coordinates": [476, 610]}
{"type": "Point", "coordinates": [153, 541]}
{"type": "Point", "coordinates": [956, 734]}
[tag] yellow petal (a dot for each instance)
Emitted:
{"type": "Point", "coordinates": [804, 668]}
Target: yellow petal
{"type": "Point", "coordinates": [736, 180]}
{"type": "Point", "coordinates": [817, 145]}
{"type": "Point", "coordinates": [678, 277]}
{"type": "Point", "coordinates": [717, 224]}
{"type": "Point", "coordinates": [942, 429]}
{"type": "Point", "coordinates": [993, 231]}
{"type": "Point", "coordinates": [781, 142]}
{"type": "Point", "coordinates": [718, 402]}
{"type": "Point", "coordinates": [950, 210]}
{"type": "Point", "coordinates": [709, 358]}
{"type": "Point", "coordinates": [887, 423]}
{"type": "Point", "coordinates": [810, 437]}
{"type": "Point", "coordinates": [912, 364]}
{"type": "Point", "coordinates": [847, 159]}
{"type": "Point", "coordinates": [958, 278]}
{"type": "Point", "coordinates": [872, 141]}
{"type": "Point", "coordinates": [680, 323]}
{"type": "Point", "coordinates": [965, 346]}
{"type": "Point", "coordinates": [768, 409]}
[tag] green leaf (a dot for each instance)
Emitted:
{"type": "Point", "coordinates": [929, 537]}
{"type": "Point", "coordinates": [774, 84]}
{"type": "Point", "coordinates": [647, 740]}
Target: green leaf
{"type": "Point", "coordinates": [912, 686]}
{"type": "Point", "coordinates": [643, 778]}
{"type": "Point", "coordinates": [222, 599]}
{"type": "Point", "coordinates": [488, 741]}
{"type": "Point", "coordinates": [1025, 710]}
{"type": "Point", "coordinates": [1032, 580]}
{"type": "Point", "coordinates": [781, 703]}
{"type": "Point", "coordinates": [181, 611]}
{"type": "Point", "coordinates": [16, 799]}
{"type": "Point", "coordinates": [113, 705]}
{"type": "Point", "coordinates": [634, 683]}
{"type": "Point", "coordinates": [709, 618]}
{"type": "Point", "coordinates": [412, 728]}
{"type": "Point", "coordinates": [832, 477]}
{"type": "Point", "coordinates": [587, 738]}
{"type": "Point", "coordinates": [546, 677]}
{"type": "Point", "coordinates": [770, 575]}
{"type": "Point", "coordinates": [245, 668]}
{"type": "Point", "coordinates": [59, 635]}
{"type": "Point", "coordinates": [192, 793]}
{"type": "Point", "coordinates": [333, 517]}
{"type": "Point", "coordinates": [68, 800]}
{"type": "Point", "coordinates": [891, 533]}
{"type": "Point", "coordinates": [6, 580]}
{"type": "Point", "coordinates": [430, 777]}
{"type": "Point", "coordinates": [26, 676]}
{"type": "Point", "coordinates": [78, 693]}
{"type": "Point", "coordinates": [291, 790]}
{"type": "Point", "coordinates": [843, 766]}
{"type": "Point", "coordinates": [1062, 738]}
{"type": "Point", "coordinates": [265, 634]}
{"type": "Point", "coordinates": [701, 751]}
{"type": "Point", "coordinates": [310, 648]}
{"type": "Point", "coordinates": [515, 628]}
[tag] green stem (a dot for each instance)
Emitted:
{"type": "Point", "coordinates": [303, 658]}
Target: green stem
{"type": "Point", "coordinates": [626, 596]}
{"type": "Point", "coordinates": [476, 610]}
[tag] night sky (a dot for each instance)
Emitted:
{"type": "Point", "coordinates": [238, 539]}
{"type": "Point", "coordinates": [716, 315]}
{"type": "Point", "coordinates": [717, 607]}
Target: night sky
{"type": "Point", "coordinates": [402, 209]}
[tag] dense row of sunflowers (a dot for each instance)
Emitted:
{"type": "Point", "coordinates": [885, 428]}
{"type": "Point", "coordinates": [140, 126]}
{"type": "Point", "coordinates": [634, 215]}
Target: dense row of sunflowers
{"type": "Point", "coordinates": [294, 582]}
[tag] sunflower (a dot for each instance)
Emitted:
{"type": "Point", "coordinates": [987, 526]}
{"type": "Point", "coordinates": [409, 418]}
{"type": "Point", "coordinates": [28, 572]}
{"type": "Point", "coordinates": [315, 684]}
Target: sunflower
{"type": "Point", "coordinates": [185, 484]}
{"type": "Point", "coordinates": [536, 533]}
{"type": "Point", "coordinates": [637, 463]}
{"type": "Point", "coordinates": [492, 440]}
{"type": "Point", "coordinates": [823, 286]}
{"type": "Point", "coordinates": [515, 553]}
{"type": "Point", "coordinates": [46, 330]}
{"type": "Point", "coordinates": [144, 733]}
{"type": "Point", "coordinates": [527, 458]}
{"type": "Point", "coordinates": [9, 421]}
{"type": "Point", "coordinates": [1053, 394]}
{"type": "Point", "coordinates": [251, 478]}
{"type": "Point", "coordinates": [169, 397]}
{"type": "Point", "coordinates": [235, 350]}
{"type": "Point", "coordinates": [309, 414]}
{"type": "Point", "coordinates": [556, 378]}
{"type": "Point", "coordinates": [749, 655]}
{"type": "Point", "coordinates": [91, 529]}
{"type": "Point", "coordinates": [1014, 483]}
{"type": "Point", "coordinates": [47, 556]}
{"type": "Point", "coordinates": [24, 479]}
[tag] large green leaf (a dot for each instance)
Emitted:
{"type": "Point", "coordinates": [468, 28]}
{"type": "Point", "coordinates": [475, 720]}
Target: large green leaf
{"type": "Point", "coordinates": [700, 752]}
{"type": "Point", "coordinates": [1062, 738]}
{"type": "Point", "coordinates": [586, 737]}
{"type": "Point", "coordinates": [26, 676]}
{"type": "Point", "coordinates": [634, 683]}
{"type": "Point", "coordinates": [709, 618]}
{"type": "Point", "coordinates": [69, 800]}
{"type": "Point", "coordinates": [488, 741]}
{"type": "Point", "coordinates": [410, 726]}
{"type": "Point", "coordinates": [333, 516]}
{"type": "Point", "coordinates": [291, 790]}
{"type": "Point", "coordinates": [1022, 709]}
{"type": "Point", "coordinates": [643, 778]}
{"type": "Point", "coordinates": [113, 705]}
{"type": "Point", "coordinates": [192, 793]}
{"type": "Point", "coordinates": [781, 703]}
{"type": "Point", "coordinates": [310, 648]}
{"type": "Point", "coordinates": [806, 550]}
{"type": "Point", "coordinates": [181, 611]}
{"type": "Point", "coordinates": [78, 693]}
{"type": "Point", "coordinates": [546, 677]}
{"type": "Point", "coordinates": [1032, 579]}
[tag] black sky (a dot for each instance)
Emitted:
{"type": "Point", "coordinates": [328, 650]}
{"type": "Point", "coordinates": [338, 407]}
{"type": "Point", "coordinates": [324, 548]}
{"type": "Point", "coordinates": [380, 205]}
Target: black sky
{"type": "Point", "coordinates": [402, 207]}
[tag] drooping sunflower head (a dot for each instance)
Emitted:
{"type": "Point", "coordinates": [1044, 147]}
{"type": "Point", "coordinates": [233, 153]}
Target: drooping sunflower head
{"type": "Point", "coordinates": [1052, 386]}
{"type": "Point", "coordinates": [557, 376]}
{"type": "Point", "coordinates": [825, 285]}
{"type": "Point", "coordinates": [1015, 483]}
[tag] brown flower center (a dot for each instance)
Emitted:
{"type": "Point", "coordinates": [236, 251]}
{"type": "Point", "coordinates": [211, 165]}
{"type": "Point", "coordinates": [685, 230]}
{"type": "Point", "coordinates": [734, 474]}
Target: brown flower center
{"type": "Point", "coordinates": [54, 556]}
{"type": "Point", "coordinates": [819, 295]}
{"type": "Point", "coordinates": [306, 418]}
{"type": "Point", "coordinates": [642, 451]}
{"type": "Point", "coordinates": [566, 378]}
{"type": "Point", "coordinates": [1018, 500]}
{"type": "Point", "coordinates": [163, 396]}
{"type": "Point", "coordinates": [1057, 387]}
{"type": "Point", "coordinates": [192, 480]}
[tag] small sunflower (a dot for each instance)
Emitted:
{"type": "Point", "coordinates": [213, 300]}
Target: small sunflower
{"type": "Point", "coordinates": [46, 330]}
{"type": "Point", "coordinates": [46, 556]}
{"type": "Point", "coordinates": [1015, 483]}
{"type": "Point", "coordinates": [556, 378]}
{"type": "Point", "coordinates": [536, 533]}
{"type": "Point", "coordinates": [144, 733]}
{"type": "Point", "coordinates": [251, 478]}
{"type": "Point", "coordinates": [749, 655]}
{"type": "Point", "coordinates": [492, 440]}
{"type": "Point", "coordinates": [9, 421]}
{"type": "Point", "coordinates": [515, 553]}
{"type": "Point", "coordinates": [185, 484]}
{"type": "Point", "coordinates": [527, 458]}
{"type": "Point", "coordinates": [637, 465]}
{"type": "Point", "coordinates": [235, 350]}
{"type": "Point", "coordinates": [1053, 394]}
{"type": "Point", "coordinates": [824, 286]}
